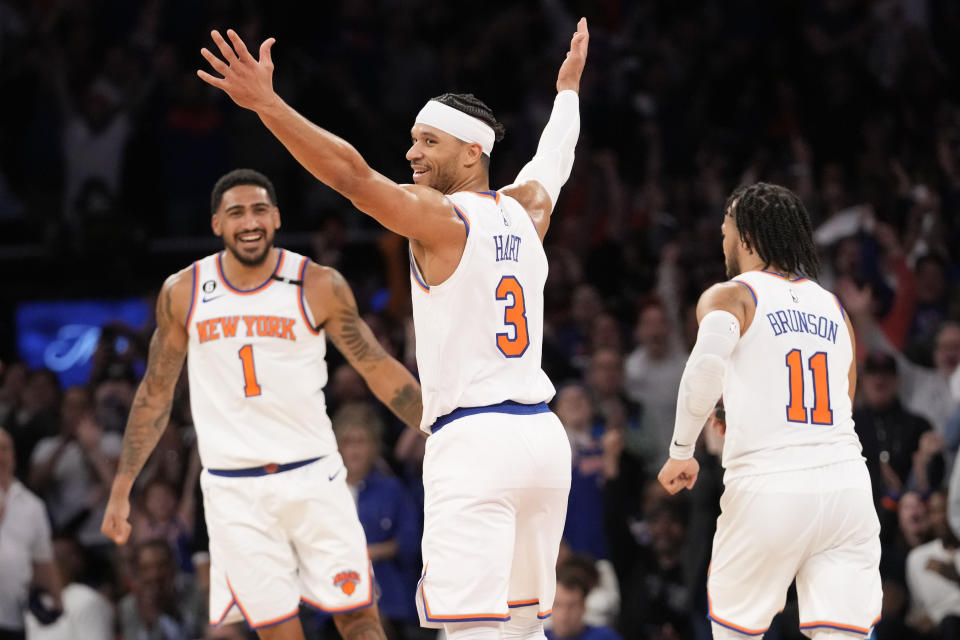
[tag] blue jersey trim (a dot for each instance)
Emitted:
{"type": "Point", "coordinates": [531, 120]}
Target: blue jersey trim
{"type": "Point", "coordinates": [265, 470]}
{"type": "Point", "coordinates": [507, 406]}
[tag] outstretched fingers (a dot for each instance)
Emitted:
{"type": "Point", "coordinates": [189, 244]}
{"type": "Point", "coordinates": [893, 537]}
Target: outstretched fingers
{"type": "Point", "coordinates": [225, 49]}
{"type": "Point", "coordinates": [213, 81]}
{"type": "Point", "coordinates": [578, 45]}
{"type": "Point", "coordinates": [218, 65]}
{"type": "Point", "coordinates": [265, 55]}
{"type": "Point", "coordinates": [238, 45]}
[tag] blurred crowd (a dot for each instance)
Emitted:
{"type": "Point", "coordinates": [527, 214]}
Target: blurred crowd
{"type": "Point", "coordinates": [108, 141]}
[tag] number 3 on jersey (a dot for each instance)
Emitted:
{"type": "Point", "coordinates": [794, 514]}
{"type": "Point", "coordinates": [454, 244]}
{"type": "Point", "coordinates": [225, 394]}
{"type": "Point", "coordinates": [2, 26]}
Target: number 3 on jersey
{"type": "Point", "coordinates": [515, 315]}
{"type": "Point", "coordinates": [251, 387]}
{"type": "Point", "coordinates": [821, 413]}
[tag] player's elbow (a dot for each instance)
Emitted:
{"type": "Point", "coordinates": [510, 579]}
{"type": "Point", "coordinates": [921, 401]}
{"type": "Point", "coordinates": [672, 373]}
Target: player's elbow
{"type": "Point", "coordinates": [703, 383]}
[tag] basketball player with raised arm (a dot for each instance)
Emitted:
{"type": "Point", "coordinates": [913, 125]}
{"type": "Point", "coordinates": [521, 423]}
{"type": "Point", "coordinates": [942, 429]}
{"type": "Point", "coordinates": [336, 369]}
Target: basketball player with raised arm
{"type": "Point", "coordinates": [797, 501]}
{"type": "Point", "coordinates": [283, 525]}
{"type": "Point", "coordinates": [497, 466]}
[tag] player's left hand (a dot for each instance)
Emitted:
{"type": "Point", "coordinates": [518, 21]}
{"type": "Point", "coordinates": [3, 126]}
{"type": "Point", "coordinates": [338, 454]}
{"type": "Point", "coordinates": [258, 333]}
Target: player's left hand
{"type": "Point", "coordinates": [572, 67]}
{"type": "Point", "coordinates": [248, 82]}
{"type": "Point", "coordinates": [679, 474]}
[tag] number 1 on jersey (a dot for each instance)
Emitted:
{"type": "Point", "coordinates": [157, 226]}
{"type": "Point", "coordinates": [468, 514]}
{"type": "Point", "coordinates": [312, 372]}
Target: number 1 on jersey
{"type": "Point", "coordinates": [515, 315]}
{"type": "Point", "coordinates": [251, 387]}
{"type": "Point", "coordinates": [796, 411]}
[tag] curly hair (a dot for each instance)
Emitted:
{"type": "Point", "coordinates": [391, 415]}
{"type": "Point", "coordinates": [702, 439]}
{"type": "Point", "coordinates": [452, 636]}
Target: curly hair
{"type": "Point", "coordinates": [774, 222]}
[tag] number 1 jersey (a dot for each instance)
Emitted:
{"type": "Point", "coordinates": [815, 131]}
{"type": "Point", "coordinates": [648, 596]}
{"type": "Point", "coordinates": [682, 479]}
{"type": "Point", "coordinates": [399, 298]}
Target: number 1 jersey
{"type": "Point", "coordinates": [480, 332]}
{"type": "Point", "coordinates": [786, 393]}
{"type": "Point", "coordinates": [257, 369]}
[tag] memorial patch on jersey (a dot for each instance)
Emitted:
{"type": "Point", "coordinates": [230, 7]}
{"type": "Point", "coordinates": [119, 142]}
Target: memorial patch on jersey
{"type": "Point", "coordinates": [246, 326]}
{"type": "Point", "coordinates": [792, 321]}
{"type": "Point", "coordinates": [347, 581]}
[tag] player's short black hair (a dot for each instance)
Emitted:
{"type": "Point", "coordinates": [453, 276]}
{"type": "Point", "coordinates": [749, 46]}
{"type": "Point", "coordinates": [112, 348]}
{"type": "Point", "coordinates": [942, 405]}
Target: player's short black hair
{"type": "Point", "coordinates": [238, 177]}
{"type": "Point", "coordinates": [777, 226]}
{"type": "Point", "coordinates": [474, 106]}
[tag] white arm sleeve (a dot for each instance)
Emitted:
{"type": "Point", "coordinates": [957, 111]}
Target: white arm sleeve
{"type": "Point", "coordinates": [554, 158]}
{"type": "Point", "coordinates": [702, 382]}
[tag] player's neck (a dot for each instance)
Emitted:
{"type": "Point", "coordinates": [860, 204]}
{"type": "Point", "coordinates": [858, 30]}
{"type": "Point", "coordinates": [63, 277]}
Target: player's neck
{"type": "Point", "coordinates": [471, 183]}
{"type": "Point", "coordinates": [244, 276]}
{"type": "Point", "coordinates": [754, 263]}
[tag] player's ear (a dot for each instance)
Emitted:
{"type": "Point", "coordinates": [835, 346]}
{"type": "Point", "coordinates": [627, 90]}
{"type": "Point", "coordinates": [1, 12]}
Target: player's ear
{"type": "Point", "coordinates": [472, 154]}
{"type": "Point", "coordinates": [215, 225]}
{"type": "Point", "coordinates": [276, 218]}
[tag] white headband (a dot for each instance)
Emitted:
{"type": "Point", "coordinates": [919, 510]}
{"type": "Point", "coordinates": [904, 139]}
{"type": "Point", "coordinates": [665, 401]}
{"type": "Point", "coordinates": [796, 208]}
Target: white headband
{"type": "Point", "coordinates": [458, 124]}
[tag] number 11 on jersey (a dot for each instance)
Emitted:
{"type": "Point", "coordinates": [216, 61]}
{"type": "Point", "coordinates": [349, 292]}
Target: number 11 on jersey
{"type": "Point", "coordinates": [821, 413]}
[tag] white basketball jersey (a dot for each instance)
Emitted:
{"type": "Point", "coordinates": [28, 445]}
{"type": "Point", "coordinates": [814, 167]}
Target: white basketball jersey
{"type": "Point", "coordinates": [786, 393]}
{"type": "Point", "coordinates": [480, 332]}
{"type": "Point", "coordinates": [257, 369]}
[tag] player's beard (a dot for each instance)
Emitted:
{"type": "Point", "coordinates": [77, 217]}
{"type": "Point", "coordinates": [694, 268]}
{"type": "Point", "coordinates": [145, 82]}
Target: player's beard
{"type": "Point", "coordinates": [733, 267]}
{"type": "Point", "coordinates": [442, 179]}
{"type": "Point", "coordinates": [251, 259]}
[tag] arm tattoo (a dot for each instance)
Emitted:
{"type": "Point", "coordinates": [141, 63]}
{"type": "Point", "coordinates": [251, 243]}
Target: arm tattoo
{"type": "Point", "coordinates": [407, 403]}
{"type": "Point", "coordinates": [353, 337]}
{"type": "Point", "coordinates": [154, 399]}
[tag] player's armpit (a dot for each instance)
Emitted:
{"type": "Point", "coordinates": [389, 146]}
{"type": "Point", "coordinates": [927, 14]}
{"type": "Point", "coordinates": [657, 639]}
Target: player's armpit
{"type": "Point", "coordinates": [335, 308]}
{"type": "Point", "coordinates": [535, 200]}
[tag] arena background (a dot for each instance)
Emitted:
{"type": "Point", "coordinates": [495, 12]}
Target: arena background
{"type": "Point", "coordinates": [110, 145]}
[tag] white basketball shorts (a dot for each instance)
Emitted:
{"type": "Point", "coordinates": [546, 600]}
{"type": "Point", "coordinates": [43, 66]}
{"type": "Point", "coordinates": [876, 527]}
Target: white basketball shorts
{"type": "Point", "coordinates": [283, 538]}
{"type": "Point", "coordinates": [495, 492]}
{"type": "Point", "coordinates": [817, 525]}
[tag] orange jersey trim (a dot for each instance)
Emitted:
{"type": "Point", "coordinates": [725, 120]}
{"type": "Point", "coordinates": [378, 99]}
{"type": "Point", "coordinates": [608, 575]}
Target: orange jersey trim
{"type": "Point", "coordinates": [726, 623]}
{"type": "Point", "coordinates": [468, 617]}
{"type": "Point", "coordinates": [779, 275]}
{"type": "Point", "coordinates": [350, 607]}
{"type": "Point", "coordinates": [302, 301]}
{"type": "Point", "coordinates": [246, 292]}
{"type": "Point", "coordinates": [220, 620]}
{"type": "Point", "coordinates": [193, 298]}
{"type": "Point", "coordinates": [839, 626]}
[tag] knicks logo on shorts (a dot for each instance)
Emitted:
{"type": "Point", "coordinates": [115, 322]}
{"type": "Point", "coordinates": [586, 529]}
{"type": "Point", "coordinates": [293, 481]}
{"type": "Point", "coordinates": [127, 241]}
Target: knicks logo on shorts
{"type": "Point", "coordinates": [347, 581]}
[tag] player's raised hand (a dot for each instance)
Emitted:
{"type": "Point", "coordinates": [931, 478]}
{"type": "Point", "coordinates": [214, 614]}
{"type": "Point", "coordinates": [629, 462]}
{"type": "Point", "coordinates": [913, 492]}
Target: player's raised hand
{"type": "Point", "coordinates": [679, 474]}
{"type": "Point", "coordinates": [248, 82]}
{"type": "Point", "coordinates": [115, 525]}
{"type": "Point", "coordinates": [572, 67]}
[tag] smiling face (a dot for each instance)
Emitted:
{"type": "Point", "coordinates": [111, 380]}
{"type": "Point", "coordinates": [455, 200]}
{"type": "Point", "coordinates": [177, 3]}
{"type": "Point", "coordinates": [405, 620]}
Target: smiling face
{"type": "Point", "coordinates": [247, 222]}
{"type": "Point", "coordinates": [436, 157]}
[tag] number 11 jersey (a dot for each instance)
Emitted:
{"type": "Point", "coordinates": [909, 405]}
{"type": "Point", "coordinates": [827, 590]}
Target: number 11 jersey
{"type": "Point", "coordinates": [786, 392]}
{"type": "Point", "coordinates": [257, 368]}
{"type": "Point", "coordinates": [480, 332]}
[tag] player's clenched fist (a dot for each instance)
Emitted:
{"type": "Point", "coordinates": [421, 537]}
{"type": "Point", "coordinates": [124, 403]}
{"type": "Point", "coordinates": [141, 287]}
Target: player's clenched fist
{"type": "Point", "coordinates": [679, 474]}
{"type": "Point", "coordinates": [115, 525]}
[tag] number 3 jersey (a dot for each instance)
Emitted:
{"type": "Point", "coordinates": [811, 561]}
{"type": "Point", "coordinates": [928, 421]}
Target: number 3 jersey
{"type": "Point", "coordinates": [257, 369]}
{"type": "Point", "coordinates": [786, 393]}
{"type": "Point", "coordinates": [480, 333]}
